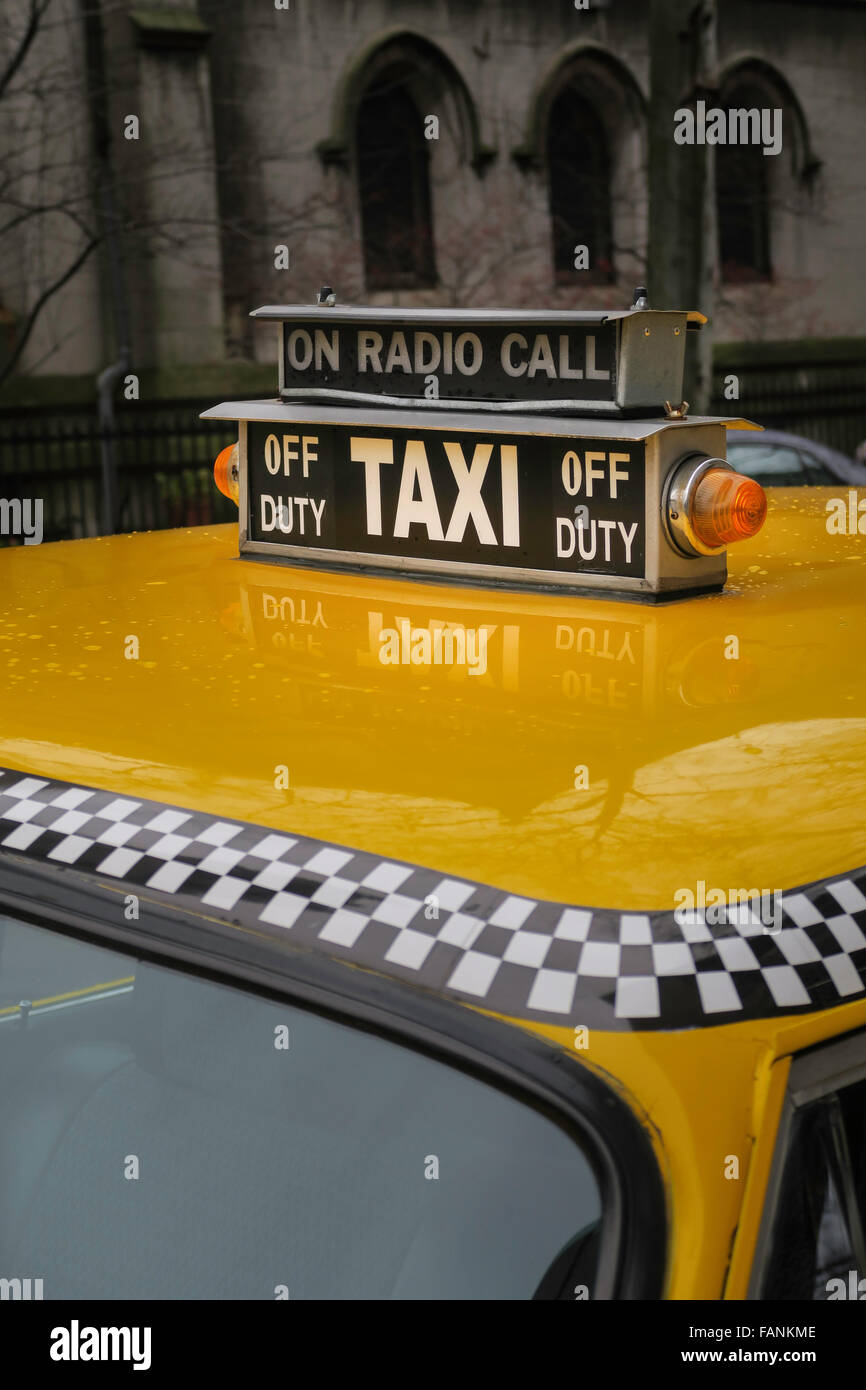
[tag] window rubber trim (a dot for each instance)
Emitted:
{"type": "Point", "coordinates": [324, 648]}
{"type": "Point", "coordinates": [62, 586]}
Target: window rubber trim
{"type": "Point", "coordinates": [633, 1254]}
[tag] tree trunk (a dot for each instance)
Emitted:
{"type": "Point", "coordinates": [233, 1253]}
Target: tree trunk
{"type": "Point", "coordinates": [682, 220]}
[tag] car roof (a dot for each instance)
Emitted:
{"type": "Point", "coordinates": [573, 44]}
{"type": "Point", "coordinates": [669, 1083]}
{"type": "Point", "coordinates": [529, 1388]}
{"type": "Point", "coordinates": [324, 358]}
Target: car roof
{"type": "Point", "coordinates": [609, 754]}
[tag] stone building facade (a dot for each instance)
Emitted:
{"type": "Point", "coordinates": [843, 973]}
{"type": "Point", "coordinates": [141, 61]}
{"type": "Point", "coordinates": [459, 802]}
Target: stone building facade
{"type": "Point", "coordinates": [416, 151]}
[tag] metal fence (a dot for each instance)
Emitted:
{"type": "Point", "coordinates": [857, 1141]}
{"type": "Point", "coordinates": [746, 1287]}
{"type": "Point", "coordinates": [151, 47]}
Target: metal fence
{"type": "Point", "coordinates": [822, 400]}
{"type": "Point", "coordinates": [165, 457]}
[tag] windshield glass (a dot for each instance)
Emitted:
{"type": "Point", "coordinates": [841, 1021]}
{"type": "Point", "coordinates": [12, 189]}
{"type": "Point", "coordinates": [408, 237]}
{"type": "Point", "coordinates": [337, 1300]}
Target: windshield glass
{"type": "Point", "coordinates": [774, 465]}
{"type": "Point", "coordinates": [778, 465]}
{"type": "Point", "coordinates": [165, 1136]}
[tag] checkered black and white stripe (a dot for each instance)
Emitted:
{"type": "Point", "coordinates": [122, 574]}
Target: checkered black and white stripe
{"type": "Point", "coordinates": [516, 955]}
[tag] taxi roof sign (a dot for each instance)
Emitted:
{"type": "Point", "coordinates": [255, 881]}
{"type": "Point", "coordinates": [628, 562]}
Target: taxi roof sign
{"type": "Point", "coordinates": [521, 502]}
{"type": "Point", "coordinates": [544, 451]}
{"type": "Point", "coordinates": [588, 362]}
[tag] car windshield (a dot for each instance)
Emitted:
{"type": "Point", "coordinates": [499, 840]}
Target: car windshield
{"type": "Point", "coordinates": [778, 465]}
{"type": "Point", "coordinates": [166, 1136]}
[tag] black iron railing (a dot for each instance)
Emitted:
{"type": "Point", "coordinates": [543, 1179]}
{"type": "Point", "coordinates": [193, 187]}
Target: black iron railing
{"type": "Point", "coordinates": [822, 397]}
{"type": "Point", "coordinates": [164, 455]}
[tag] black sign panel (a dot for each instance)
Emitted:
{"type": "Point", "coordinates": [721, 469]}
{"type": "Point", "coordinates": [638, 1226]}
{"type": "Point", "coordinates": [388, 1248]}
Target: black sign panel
{"type": "Point", "coordinates": [517, 502]}
{"type": "Point", "coordinates": [504, 361]}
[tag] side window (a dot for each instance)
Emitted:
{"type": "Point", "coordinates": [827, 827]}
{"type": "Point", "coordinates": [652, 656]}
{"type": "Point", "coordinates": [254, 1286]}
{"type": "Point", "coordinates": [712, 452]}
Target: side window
{"type": "Point", "coordinates": [814, 1245]}
{"type": "Point", "coordinates": [817, 472]}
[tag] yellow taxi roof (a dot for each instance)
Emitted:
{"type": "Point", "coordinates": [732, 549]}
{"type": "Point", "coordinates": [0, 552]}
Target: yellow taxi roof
{"type": "Point", "coordinates": [723, 738]}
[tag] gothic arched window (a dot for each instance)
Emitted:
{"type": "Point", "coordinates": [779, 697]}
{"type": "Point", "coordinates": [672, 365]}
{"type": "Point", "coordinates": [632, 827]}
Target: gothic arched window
{"type": "Point", "coordinates": [743, 197]}
{"type": "Point", "coordinates": [578, 162]}
{"type": "Point", "coordinates": [394, 188]}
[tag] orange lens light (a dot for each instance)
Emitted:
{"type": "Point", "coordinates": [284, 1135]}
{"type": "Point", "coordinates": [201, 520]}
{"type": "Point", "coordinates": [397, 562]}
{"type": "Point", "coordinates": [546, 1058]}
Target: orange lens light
{"type": "Point", "coordinates": [225, 472]}
{"type": "Point", "coordinates": [727, 507]}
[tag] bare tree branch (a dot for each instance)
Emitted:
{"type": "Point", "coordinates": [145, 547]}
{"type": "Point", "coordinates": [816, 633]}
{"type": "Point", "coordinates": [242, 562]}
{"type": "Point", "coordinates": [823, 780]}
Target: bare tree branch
{"type": "Point", "coordinates": [43, 299]}
{"type": "Point", "coordinates": [37, 10]}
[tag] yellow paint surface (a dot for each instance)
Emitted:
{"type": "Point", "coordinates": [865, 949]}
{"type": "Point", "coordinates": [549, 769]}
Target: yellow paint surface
{"type": "Point", "coordinates": [745, 772]}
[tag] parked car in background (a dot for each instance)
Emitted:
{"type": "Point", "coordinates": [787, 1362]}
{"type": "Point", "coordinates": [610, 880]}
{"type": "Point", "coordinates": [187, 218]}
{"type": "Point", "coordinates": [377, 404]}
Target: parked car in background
{"type": "Point", "coordinates": [778, 459]}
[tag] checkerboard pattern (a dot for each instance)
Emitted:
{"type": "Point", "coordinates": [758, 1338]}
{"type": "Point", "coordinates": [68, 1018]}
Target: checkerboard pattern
{"type": "Point", "coordinates": [518, 956]}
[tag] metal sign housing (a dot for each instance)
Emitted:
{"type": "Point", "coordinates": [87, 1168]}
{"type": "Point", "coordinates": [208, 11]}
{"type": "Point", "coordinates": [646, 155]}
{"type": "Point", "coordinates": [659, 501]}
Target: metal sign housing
{"type": "Point", "coordinates": [605, 362]}
{"type": "Point", "coordinates": [519, 501]}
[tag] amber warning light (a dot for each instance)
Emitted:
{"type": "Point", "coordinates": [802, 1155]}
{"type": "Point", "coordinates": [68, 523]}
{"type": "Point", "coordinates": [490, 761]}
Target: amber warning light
{"type": "Point", "coordinates": [225, 472]}
{"type": "Point", "coordinates": [709, 506]}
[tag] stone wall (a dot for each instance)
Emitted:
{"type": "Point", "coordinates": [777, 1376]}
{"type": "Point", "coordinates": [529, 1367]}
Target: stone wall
{"type": "Point", "coordinates": [247, 144]}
